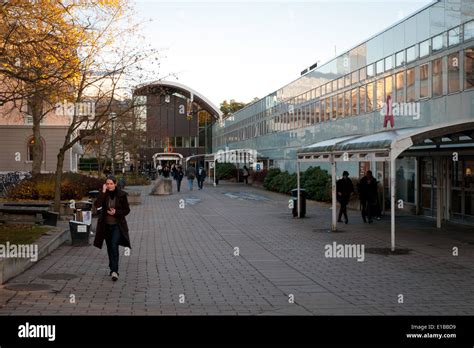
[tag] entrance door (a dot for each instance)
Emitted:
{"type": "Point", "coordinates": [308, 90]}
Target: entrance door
{"type": "Point", "coordinates": [462, 190]}
{"type": "Point", "coordinates": [429, 185]}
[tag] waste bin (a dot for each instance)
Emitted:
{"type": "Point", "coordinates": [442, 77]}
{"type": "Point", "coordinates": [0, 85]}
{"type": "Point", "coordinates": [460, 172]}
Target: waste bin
{"type": "Point", "coordinates": [80, 232]}
{"type": "Point", "coordinates": [294, 196]}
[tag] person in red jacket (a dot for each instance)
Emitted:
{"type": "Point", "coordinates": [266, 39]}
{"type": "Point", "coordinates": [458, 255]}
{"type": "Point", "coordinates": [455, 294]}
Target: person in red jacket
{"type": "Point", "coordinates": [112, 205]}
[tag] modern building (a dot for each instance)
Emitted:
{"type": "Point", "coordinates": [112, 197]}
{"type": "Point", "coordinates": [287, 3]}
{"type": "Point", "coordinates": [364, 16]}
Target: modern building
{"type": "Point", "coordinates": [410, 86]}
{"type": "Point", "coordinates": [178, 121]}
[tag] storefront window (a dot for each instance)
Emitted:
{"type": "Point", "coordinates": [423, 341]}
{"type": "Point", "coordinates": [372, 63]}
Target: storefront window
{"type": "Point", "coordinates": [370, 97]}
{"type": "Point", "coordinates": [469, 68]}
{"type": "Point", "coordinates": [411, 85]}
{"type": "Point", "coordinates": [400, 84]}
{"type": "Point", "coordinates": [437, 68]}
{"type": "Point", "coordinates": [424, 81]}
{"type": "Point", "coordinates": [380, 93]}
{"type": "Point", "coordinates": [453, 72]}
{"type": "Point", "coordinates": [405, 176]}
{"type": "Point", "coordinates": [362, 97]}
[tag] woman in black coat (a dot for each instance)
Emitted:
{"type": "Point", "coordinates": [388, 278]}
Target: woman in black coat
{"type": "Point", "coordinates": [112, 205]}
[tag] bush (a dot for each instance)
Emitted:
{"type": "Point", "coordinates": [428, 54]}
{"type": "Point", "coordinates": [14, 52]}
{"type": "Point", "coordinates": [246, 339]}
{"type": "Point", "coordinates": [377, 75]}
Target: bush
{"type": "Point", "coordinates": [314, 180]}
{"type": "Point", "coordinates": [73, 186]}
{"type": "Point", "coordinates": [135, 180]}
{"type": "Point", "coordinates": [258, 176]}
{"type": "Point", "coordinates": [225, 171]}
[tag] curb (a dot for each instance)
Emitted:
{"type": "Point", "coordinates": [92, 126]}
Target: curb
{"type": "Point", "coordinates": [11, 267]}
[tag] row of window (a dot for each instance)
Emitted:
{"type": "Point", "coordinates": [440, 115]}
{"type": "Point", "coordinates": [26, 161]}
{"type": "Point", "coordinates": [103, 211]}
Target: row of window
{"type": "Point", "coordinates": [427, 80]}
{"type": "Point", "coordinates": [181, 142]}
{"type": "Point", "coordinates": [433, 45]}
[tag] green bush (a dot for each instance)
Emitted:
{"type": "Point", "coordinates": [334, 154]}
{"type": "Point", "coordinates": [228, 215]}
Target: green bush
{"type": "Point", "coordinates": [317, 183]}
{"type": "Point", "coordinates": [314, 180]}
{"type": "Point", "coordinates": [225, 171]}
{"type": "Point", "coordinates": [271, 175]}
{"type": "Point", "coordinates": [135, 180]}
{"type": "Point", "coordinates": [73, 186]}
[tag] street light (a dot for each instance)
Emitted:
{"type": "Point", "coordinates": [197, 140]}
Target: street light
{"type": "Point", "coordinates": [113, 116]}
{"type": "Point", "coordinates": [123, 152]}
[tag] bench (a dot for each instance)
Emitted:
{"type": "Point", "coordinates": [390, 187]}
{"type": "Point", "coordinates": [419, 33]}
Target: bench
{"type": "Point", "coordinates": [42, 215]}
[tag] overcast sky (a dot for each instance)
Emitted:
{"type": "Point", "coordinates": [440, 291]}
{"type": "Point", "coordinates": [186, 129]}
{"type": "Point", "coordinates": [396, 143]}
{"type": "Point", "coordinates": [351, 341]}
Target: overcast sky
{"type": "Point", "coordinates": [241, 50]}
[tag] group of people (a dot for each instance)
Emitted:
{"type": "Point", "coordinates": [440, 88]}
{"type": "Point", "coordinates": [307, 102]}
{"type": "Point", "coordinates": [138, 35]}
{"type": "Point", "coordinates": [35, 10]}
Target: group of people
{"type": "Point", "coordinates": [368, 196]}
{"type": "Point", "coordinates": [177, 173]}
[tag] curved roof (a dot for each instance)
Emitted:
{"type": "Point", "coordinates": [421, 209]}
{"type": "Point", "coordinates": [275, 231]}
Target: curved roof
{"type": "Point", "coordinates": [186, 91]}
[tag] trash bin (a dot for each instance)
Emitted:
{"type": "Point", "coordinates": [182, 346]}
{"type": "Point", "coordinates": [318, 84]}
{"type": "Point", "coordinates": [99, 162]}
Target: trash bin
{"type": "Point", "coordinates": [80, 232]}
{"type": "Point", "coordinates": [294, 196]}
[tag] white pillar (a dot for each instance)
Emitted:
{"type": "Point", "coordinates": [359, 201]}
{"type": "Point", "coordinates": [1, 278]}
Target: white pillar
{"type": "Point", "coordinates": [333, 191]}
{"type": "Point", "coordinates": [392, 201]}
{"type": "Point", "coordinates": [214, 172]}
{"type": "Point", "coordinates": [439, 198]}
{"type": "Point", "coordinates": [298, 186]}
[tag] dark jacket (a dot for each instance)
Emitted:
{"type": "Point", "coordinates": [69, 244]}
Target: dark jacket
{"type": "Point", "coordinates": [179, 175]}
{"type": "Point", "coordinates": [202, 176]}
{"type": "Point", "coordinates": [191, 173]}
{"type": "Point", "coordinates": [345, 187]}
{"type": "Point", "coordinates": [368, 192]}
{"type": "Point", "coordinates": [122, 209]}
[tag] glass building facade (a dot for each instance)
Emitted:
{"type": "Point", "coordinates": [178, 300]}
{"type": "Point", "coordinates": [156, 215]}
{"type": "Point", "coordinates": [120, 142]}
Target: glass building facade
{"type": "Point", "coordinates": [426, 58]}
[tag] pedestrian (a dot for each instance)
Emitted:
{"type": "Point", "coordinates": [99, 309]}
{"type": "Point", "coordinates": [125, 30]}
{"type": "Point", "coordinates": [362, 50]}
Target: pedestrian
{"type": "Point", "coordinates": [174, 170]}
{"type": "Point", "coordinates": [190, 174]}
{"type": "Point", "coordinates": [160, 168]}
{"type": "Point", "coordinates": [344, 189]}
{"type": "Point", "coordinates": [246, 173]}
{"type": "Point", "coordinates": [368, 196]}
{"type": "Point", "coordinates": [166, 171]}
{"type": "Point", "coordinates": [201, 175]}
{"type": "Point", "coordinates": [112, 204]}
{"type": "Point", "coordinates": [121, 183]}
{"type": "Point", "coordinates": [179, 177]}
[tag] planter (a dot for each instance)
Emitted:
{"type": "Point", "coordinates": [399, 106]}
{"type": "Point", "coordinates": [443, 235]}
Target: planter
{"type": "Point", "coordinates": [134, 197]}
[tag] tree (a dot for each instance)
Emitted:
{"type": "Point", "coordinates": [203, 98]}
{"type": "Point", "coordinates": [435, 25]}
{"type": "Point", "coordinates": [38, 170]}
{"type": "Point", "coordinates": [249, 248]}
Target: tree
{"type": "Point", "coordinates": [231, 107]}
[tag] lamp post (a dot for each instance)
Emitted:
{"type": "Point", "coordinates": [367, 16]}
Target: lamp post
{"type": "Point", "coordinates": [113, 116]}
{"type": "Point", "coordinates": [123, 152]}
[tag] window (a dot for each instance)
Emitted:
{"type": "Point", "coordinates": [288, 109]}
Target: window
{"type": "Point", "coordinates": [362, 97]}
{"type": "Point", "coordinates": [29, 149]}
{"type": "Point", "coordinates": [411, 85]}
{"type": "Point", "coordinates": [347, 80]}
{"type": "Point", "coordinates": [334, 85]}
{"type": "Point", "coordinates": [454, 36]}
{"type": "Point", "coordinates": [425, 48]}
{"type": "Point", "coordinates": [340, 83]}
{"type": "Point", "coordinates": [362, 74]}
{"type": "Point", "coordinates": [179, 142]}
{"type": "Point", "coordinates": [469, 68]}
{"type": "Point", "coordinates": [334, 106]}
{"type": "Point", "coordinates": [379, 67]}
{"type": "Point", "coordinates": [322, 109]}
{"type": "Point", "coordinates": [347, 103]}
{"type": "Point", "coordinates": [340, 106]}
{"type": "Point", "coordinates": [370, 97]}
{"type": "Point", "coordinates": [411, 54]}
{"type": "Point", "coordinates": [468, 30]}
{"type": "Point", "coordinates": [424, 81]}
{"type": "Point", "coordinates": [370, 70]}
{"type": "Point", "coordinates": [318, 92]}
{"type": "Point", "coordinates": [388, 86]}
{"type": "Point", "coordinates": [380, 93]}
{"type": "Point", "coordinates": [354, 101]}
{"type": "Point", "coordinates": [355, 76]}
{"type": "Point", "coordinates": [316, 112]}
{"type": "Point", "coordinates": [400, 84]}
{"type": "Point", "coordinates": [437, 74]}
{"type": "Point", "coordinates": [453, 73]}
{"type": "Point", "coordinates": [438, 43]}
{"type": "Point", "coordinates": [388, 63]}
{"type": "Point", "coordinates": [329, 88]}
{"type": "Point", "coordinates": [400, 58]}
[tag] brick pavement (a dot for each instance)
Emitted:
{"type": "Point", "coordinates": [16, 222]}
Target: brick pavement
{"type": "Point", "coordinates": [191, 252]}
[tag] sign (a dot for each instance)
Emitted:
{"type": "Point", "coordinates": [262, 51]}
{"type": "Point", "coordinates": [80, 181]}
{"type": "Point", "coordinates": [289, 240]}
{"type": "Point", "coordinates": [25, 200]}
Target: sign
{"type": "Point", "coordinates": [258, 166]}
{"type": "Point", "coordinates": [211, 165]}
{"type": "Point", "coordinates": [81, 228]}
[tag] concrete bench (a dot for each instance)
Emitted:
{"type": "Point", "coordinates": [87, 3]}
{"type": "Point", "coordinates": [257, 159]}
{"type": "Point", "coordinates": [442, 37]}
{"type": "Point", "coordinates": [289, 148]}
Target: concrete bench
{"type": "Point", "coordinates": [15, 212]}
{"type": "Point", "coordinates": [164, 186]}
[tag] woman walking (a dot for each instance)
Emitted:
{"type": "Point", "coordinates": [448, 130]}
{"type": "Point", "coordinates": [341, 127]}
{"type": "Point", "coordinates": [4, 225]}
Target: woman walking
{"type": "Point", "coordinates": [112, 204]}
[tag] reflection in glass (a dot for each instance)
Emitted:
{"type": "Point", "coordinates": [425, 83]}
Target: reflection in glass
{"type": "Point", "coordinates": [354, 101]}
{"type": "Point", "coordinates": [437, 43]}
{"type": "Point", "coordinates": [468, 30]}
{"type": "Point", "coordinates": [340, 110]}
{"type": "Point", "coordinates": [347, 103]}
{"type": "Point", "coordinates": [453, 73]}
{"type": "Point", "coordinates": [411, 54]}
{"type": "Point", "coordinates": [380, 93]}
{"type": "Point", "coordinates": [328, 109]}
{"type": "Point", "coordinates": [347, 80]}
{"type": "Point", "coordinates": [334, 107]}
{"type": "Point", "coordinates": [411, 85]}
{"type": "Point", "coordinates": [400, 58]}
{"type": "Point", "coordinates": [388, 63]}
{"type": "Point", "coordinates": [453, 36]}
{"type": "Point", "coordinates": [424, 80]}
{"type": "Point", "coordinates": [379, 67]}
{"type": "Point", "coordinates": [437, 77]}
{"type": "Point", "coordinates": [405, 176]}
{"type": "Point", "coordinates": [370, 97]}
{"type": "Point", "coordinates": [370, 70]}
{"type": "Point", "coordinates": [400, 84]}
{"type": "Point", "coordinates": [362, 74]}
{"type": "Point", "coordinates": [469, 68]}
{"type": "Point", "coordinates": [388, 86]}
{"type": "Point", "coordinates": [355, 77]}
{"type": "Point", "coordinates": [425, 48]}
{"type": "Point", "coordinates": [362, 97]}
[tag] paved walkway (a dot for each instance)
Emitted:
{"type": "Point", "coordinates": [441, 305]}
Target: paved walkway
{"type": "Point", "coordinates": [188, 255]}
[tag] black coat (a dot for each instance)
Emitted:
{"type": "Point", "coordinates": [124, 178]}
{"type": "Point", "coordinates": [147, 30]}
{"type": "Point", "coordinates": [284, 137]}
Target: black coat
{"type": "Point", "coordinates": [368, 192]}
{"type": "Point", "coordinates": [345, 187]}
{"type": "Point", "coordinates": [122, 209]}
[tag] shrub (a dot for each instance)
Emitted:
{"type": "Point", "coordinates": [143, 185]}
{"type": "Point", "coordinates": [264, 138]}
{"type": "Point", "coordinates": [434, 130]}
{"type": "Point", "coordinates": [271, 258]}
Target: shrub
{"type": "Point", "coordinates": [225, 171]}
{"type": "Point", "coordinates": [317, 183]}
{"type": "Point", "coordinates": [73, 186]}
{"type": "Point", "coordinates": [271, 175]}
{"type": "Point", "coordinates": [135, 180]}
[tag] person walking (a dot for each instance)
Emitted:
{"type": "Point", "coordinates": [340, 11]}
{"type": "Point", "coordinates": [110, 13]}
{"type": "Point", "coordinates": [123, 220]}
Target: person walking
{"type": "Point", "coordinates": [112, 204]}
{"type": "Point", "coordinates": [174, 170]}
{"type": "Point", "coordinates": [201, 175]}
{"type": "Point", "coordinates": [166, 171]}
{"type": "Point", "coordinates": [368, 196]}
{"type": "Point", "coordinates": [246, 173]}
{"type": "Point", "coordinates": [344, 189]}
{"type": "Point", "coordinates": [179, 177]}
{"type": "Point", "coordinates": [190, 174]}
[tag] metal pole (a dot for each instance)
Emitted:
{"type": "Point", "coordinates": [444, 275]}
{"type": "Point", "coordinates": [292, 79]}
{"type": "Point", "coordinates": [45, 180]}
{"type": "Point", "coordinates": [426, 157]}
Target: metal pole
{"type": "Point", "coordinates": [392, 201]}
{"type": "Point", "coordinates": [214, 171]}
{"type": "Point", "coordinates": [123, 154]}
{"type": "Point", "coordinates": [298, 186]}
{"type": "Point", "coordinates": [333, 195]}
{"type": "Point", "coordinates": [113, 146]}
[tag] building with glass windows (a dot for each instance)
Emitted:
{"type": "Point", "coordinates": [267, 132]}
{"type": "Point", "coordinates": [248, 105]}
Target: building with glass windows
{"type": "Point", "coordinates": [418, 74]}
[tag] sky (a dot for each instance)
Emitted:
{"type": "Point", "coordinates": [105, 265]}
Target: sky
{"type": "Point", "coordinates": [246, 49]}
